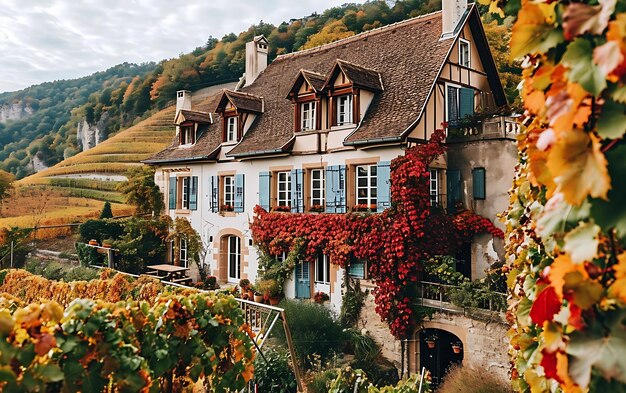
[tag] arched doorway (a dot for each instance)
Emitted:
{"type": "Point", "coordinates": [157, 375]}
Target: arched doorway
{"type": "Point", "coordinates": [439, 350]}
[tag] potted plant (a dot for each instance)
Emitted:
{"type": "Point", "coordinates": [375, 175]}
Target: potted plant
{"type": "Point", "coordinates": [320, 297]}
{"type": "Point", "coordinates": [227, 208]}
{"type": "Point", "coordinates": [456, 347]}
{"type": "Point", "coordinates": [275, 292]}
{"type": "Point", "coordinates": [107, 243]}
{"type": "Point", "coordinates": [431, 340]}
{"type": "Point", "coordinates": [93, 242]}
{"type": "Point", "coordinates": [244, 283]}
{"type": "Point", "coordinates": [258, 292]}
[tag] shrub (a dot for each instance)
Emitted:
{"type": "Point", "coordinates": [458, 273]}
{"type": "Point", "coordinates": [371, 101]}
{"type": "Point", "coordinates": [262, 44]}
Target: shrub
{"type": "Point", "coordinates": [106, 211]}
{"type": "Point", "coordinates": [141, 244]}
{"type": "Point", "coordinates": [350, 380]}
{"type": "Point", "coordinates": [274, 373]}
{"type": "Point", "coordinates": [89, 256]}
{"type": "Point", "coordinates": [320, 382]}
{"type": "Point", "coordinates": [471, 380]}
{"type": "Point", "coordinates": [313, 329]}
{"type": "Point", "coordinates": [352, 303]}
{"type": "Point", "coordinates": [59, 271]}
{"type": "Point", "coordinates": [100, 230]}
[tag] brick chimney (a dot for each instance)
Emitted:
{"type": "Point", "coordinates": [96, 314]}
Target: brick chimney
{"type": "Point", "coordinates": [183, 100]}
{"type": "Point", "coordinates": [256, 58]}
{"type": "Point", "coordinates": [451, 13]}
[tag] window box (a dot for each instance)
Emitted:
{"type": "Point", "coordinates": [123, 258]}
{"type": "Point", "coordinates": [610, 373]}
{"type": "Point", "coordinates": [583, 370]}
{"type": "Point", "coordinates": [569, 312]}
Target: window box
{"type": "Point", "coordinates": [282, 208]}
{"type": "Point", "coordinates": [227, 208]}
{"type": "Point", "coordinates": [364, 208]}
{"type": "Point", "coordinates": [316, 208]}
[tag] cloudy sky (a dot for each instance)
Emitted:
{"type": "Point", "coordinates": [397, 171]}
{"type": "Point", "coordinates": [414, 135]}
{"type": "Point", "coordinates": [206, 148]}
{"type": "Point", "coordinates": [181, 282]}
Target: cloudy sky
{"type": "Point", "coordinates": [44, 40]}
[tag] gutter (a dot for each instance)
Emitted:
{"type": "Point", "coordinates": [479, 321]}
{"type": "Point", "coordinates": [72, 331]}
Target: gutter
{"type": "Point", "coordinates": [372, 141]}
{"type": "Point", "coordinates": [265, 152]}
{"type": "Point", "coordinates": [165, 161]}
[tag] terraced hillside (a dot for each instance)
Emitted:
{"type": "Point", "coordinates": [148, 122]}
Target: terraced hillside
{"type": "Point", "coordinates": [78, 186]}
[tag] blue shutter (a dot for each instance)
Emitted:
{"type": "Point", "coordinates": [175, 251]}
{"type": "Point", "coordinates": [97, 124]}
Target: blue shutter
{"type": "Point", "coordinates": [193, 194]}
{"type": "Point", "coordinates": [341, 207]}
{"type": "Point", "coordinates": [264, 190]}
{"type": "Point", "coordinates": [172, 195]}
{"type": "Point", "coordinates": [239, 193]}
{"type": "Point", "coordinates": [466, 102]}
{"type": "Point", "coordinates": [357, 269]}
{"type": "Point", "coordinates": [478, 183]}
{"type": "Point", "coordinates": [454, 188]}
{"type": "Point", "coordinates": [215, 194]}
{"type": "Point", "coordinates": [383, 186]}
{"type": "Point", "coordinates": [297, 190]}
{"type": "Point", "coordinates": [336, 189]}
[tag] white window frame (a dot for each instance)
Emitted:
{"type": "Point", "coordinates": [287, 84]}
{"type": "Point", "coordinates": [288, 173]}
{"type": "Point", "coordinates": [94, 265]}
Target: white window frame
{"type": "Point", "coordinates": [433, 187]}
{"type": "Point", "coordinates": [458, 100]}
{"type": "Point", "coordinates": [322, 268]}
{"type": "Point", "coordinates": [187, 135]}
{"type": "Point", "coordinates": [281, 257]}
{"type": "Point", "coordinates": [345, 115]}
{"type": "Point", "coordinates": [228, 198]}
{"type": "Point", "coordinates": [464, 43]}
{"type": "Point", "coordinates": [308, 113]}
{"type": "Point", "coordinates": [233, 251]}
{"type": "Point", "coordinates": [231, 129]}
{"type": "Point", "coordinates": [185, 191]}
{"type": "Point", "coordinates": [283, 197]}
{"type": "Point", "coordinates": [183, 254]}
{"type": "Point", "coordinates": [371, 174]}
{"type": "Point", "coordinates": [319, 185]}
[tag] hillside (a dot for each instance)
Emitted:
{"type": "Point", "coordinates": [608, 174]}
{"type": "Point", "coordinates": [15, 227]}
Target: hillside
{"type": "Point", "coordinates": [49, 114]}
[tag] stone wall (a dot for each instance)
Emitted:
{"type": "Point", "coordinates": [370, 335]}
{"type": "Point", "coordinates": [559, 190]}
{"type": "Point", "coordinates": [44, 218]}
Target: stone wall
{"type": "Point", "coordinates": [485, 344]}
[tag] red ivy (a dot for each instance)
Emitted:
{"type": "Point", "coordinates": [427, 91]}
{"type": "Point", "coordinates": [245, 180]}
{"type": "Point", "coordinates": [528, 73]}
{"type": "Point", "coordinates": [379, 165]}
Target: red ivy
{"type": "Point", "coordinates": [394, 241]}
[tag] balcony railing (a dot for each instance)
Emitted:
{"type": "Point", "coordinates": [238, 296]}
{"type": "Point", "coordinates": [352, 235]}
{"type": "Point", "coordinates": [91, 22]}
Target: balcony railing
{"type": "Point", "coordinates": [499, 127]}
{"type": "Point", "coordinates": [450, 298]}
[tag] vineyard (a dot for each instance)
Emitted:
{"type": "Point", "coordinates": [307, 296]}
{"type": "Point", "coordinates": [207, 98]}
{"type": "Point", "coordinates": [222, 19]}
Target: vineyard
{"type": "Point", "coordinates": [119, 334]}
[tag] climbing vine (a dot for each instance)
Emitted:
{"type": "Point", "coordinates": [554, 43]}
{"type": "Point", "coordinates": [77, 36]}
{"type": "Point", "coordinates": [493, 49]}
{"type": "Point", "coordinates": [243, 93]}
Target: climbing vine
{"type": "Point", "coordinates": [395, 242]}
{"type": "Point", "coordinates": [566, 225]}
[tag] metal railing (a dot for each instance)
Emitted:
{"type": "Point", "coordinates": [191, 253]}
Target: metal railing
{"type": "Point", "coordinates": [492, 128]}
{"type": "Point", "coordinates": [450, 298]}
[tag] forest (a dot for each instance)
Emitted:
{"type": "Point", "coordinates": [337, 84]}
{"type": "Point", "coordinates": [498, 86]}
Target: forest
{"type": "Point", "coordinates": [128, 92]}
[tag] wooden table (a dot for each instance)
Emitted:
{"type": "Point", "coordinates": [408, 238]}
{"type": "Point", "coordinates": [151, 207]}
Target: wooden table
{"type": "Point", "coordinates": [171, 271]}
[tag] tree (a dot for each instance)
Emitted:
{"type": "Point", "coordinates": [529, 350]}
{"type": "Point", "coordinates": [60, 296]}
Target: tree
{"type": "Point", "coordinates": [141, 191]}
{"type": "Point", "coordinates": [106, 211]}
{"type": "Point", "coordinates": [6, 181]}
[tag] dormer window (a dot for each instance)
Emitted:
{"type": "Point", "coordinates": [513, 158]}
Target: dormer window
{"type": "Point", "coordinates": [308, 116]}
{"type": "Point", "coordinates": [187, 135]}
{"type": "Point", "coordinates": [231, 129]}
{"type": "Point", "coordinates": [344, 110]}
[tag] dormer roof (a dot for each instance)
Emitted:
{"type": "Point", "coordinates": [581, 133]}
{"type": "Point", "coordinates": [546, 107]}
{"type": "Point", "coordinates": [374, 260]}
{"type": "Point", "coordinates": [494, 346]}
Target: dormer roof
{"type": "Point", "coordinates": [193, 116]}
{"type": "Point", "coordinates": [313, 79]}
{"type": "Point", "coordinates": [359, 76]}
{"type": "Point", "coordinates": [242, 101]}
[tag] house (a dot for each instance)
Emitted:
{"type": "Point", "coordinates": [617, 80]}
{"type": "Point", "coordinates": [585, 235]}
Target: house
{"type": "Point", "coordinates": [317, 129]}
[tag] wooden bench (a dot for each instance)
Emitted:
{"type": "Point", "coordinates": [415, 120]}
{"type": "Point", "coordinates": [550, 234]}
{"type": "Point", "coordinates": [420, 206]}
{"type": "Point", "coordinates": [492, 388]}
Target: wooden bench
{"type": "Point", "coordinates": [154, 276]}
{"type": "Point", "coordinates": [152, 273]}
{"type": "Point", "coordinates": [181, 280]}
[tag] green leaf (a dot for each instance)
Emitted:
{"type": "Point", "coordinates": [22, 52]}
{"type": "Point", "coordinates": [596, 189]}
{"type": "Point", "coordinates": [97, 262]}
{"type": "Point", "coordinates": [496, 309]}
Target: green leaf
{"type": "Point", "coordinates": [51, 372]}
{"type": "Point", "coordinates": [612, 213]}
{"type": "Point", "coordinates": [579, 59]}
{"type": "Point", "coordinates": [582, 243]}
{"type": "Point", "coordinates": [612, 120]}
{"type": "Point", "coordinates": [595, 349]}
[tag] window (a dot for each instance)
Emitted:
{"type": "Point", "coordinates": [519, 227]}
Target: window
{"type": "Point", "coordinates": [184, 261]}
{"type": "Point", "coordinates": [228, 199]}
{"type": "Point", "coordinates": [344, 110]}
{"type": "Point", "coordinates": [357, 268]}
{"type": "Point", "coordinates": [234, 258]}
{"type": "Point", "coordinates": [318, 188]}
{"type": "Point", "coordinates": [460, 102]}
{"type": "Point", "coordinates": [366, 186]}
{"type": "Point", "coordinates": [322, 269]}
{"type": "Point", "coordinates": [478, 183]}
{"type": "Point", "coordinates": [453, 103]}
{"type": "Point", "coordinates": [434, 187]}
{"type": "Point", "coordinates": [283, 185]}
{"type": "Point", "coordinates": [231, 129]}
{"type": "Point", "coordinates": [186, 135]}
{"type": "Point", "coordinates": [280, 258]}
{"type": "Point", "coordinates": [464, 52]}
{"type": "Point", "coordinates": [185, 192]}
{"type": "Point", "coordinates": [307, 116]}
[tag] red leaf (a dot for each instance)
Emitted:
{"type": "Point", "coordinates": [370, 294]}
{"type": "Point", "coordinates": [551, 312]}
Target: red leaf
{"type": "Point", "coordinates": [545, 306]}
{"type": "Point", "coordinates": [549, 363]}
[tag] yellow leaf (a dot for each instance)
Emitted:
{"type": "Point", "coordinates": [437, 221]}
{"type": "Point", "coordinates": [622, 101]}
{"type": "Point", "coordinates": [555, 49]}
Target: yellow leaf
{"type": "Point", "coordinates": [562, 370]}
{"type": "Point", "coordinates": [579, 167]}
{"type": "Point", "coordinates": [552, 336]}
{"type": "Point", "coordinates": [561, 266]}
{"type": "Point", "coordinates": [534, 30]}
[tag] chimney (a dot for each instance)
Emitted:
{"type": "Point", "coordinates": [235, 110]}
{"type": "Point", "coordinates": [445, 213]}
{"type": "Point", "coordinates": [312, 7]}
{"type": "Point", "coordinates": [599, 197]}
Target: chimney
{"type": "Point", "coordinates": [451, 13]}
{"type": "Point", "coordinates": [183, 100]}
{"type": "Point", "coordinates": [256, 58]}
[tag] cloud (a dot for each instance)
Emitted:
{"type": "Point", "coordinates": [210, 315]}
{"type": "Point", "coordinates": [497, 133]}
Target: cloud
{"type": "Point", "coordinates": [61, 39]}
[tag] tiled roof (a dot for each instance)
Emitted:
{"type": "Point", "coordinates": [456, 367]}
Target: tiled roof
{"type": "Point", "coordinates": [195, 116]}
{"type": "Point", "coordinates": [315, 80]}
{"type": "Point", "coordinates": [361, 76]}
{"type": "Point", "coordinates": [244, 101]}
{"type": "Point", "coordinates": [408, 55]}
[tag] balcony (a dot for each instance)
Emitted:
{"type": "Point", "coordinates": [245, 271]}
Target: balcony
{"type": "Point", "coordinates": [498, 127]}
{"type": "Point", "coordinates": [451, 298]}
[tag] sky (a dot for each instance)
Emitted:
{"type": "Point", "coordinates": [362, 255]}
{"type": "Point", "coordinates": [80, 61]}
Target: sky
{"type": "Point", "coordinates": [46, 40]}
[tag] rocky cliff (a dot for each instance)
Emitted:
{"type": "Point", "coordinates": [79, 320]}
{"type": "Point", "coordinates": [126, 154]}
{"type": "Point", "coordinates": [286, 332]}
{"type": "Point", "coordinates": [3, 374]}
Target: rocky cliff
{"type": "Point", "coordinates": [89, 135]}
{"type": "Point", "coordinates": [15, 111]}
